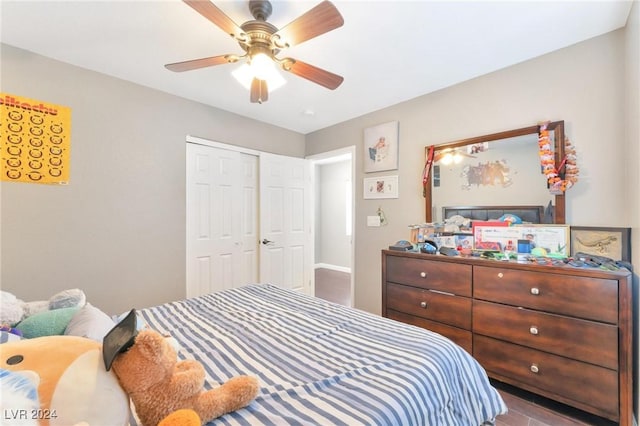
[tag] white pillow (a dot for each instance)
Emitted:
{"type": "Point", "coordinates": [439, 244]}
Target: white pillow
{"type": "Point", "coordinates": [90, 322]}
{"type": "Point", "coordinates": [67, 299]}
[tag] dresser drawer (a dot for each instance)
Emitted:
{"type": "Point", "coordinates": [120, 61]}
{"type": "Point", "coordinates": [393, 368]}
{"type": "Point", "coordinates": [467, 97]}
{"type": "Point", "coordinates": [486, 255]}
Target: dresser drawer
{"type": "Point", "coordinates": [587, 341]}
{"type": "Point", "coordinates": [444, 308]}
{"type": "Point", "coordinates": [582, 297]}
{"type": "Point", "coordinates": [587, 386]}
{"type": "Point", "coordinates": [450, 277]}
{"type": "Point", "coordinates": [459, 336]}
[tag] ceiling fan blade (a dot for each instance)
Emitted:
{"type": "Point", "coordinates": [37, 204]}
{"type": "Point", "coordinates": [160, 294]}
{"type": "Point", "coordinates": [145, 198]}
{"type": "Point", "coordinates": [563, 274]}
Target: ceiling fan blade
{"type": "Point", "coordinates": [201, 63]}
{"type": "Point", "coordinates": [312, 73]}
{"type": "Point", "coordinates": [319, 20]}
{"type": "Point", "coordinates": [259, 91]}
{"type": "Point", "coordinates": [215, 15]}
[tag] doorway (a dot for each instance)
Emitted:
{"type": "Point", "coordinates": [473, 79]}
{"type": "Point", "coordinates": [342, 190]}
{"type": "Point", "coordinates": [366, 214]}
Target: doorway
{"type": "Point", "coordinates": [333, 189]}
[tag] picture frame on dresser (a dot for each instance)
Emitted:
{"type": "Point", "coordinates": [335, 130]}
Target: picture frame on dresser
{"type": "Point", "coordinates": [611, 242]}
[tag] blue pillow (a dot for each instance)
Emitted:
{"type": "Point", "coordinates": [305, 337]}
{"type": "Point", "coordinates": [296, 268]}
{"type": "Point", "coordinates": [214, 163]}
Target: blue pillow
{"type": "Point", "coordinates": [47, 323]}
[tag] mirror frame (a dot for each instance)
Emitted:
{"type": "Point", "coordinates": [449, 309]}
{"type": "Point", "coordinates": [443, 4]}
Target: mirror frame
{"type": "Point", "coordinates": [558, 138]}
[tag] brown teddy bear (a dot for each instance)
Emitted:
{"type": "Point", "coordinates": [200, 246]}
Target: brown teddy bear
{"type": "Point", "coordinates": [158, 384]}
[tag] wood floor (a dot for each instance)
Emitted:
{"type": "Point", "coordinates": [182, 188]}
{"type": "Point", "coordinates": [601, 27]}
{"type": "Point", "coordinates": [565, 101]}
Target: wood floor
{"type": "Point", "coordinates": [525, 409]}
{"type": "Point", "coordinates": [333, 286]}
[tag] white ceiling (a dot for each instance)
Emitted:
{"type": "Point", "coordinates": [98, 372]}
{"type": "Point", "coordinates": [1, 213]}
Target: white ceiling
{"type": "Point", "coordinates": [387, 51]}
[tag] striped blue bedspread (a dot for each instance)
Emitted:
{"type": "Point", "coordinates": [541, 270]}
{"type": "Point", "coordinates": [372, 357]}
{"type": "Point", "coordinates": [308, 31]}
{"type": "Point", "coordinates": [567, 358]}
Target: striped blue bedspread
{"type": "Point", "coordinates": [320, 363]}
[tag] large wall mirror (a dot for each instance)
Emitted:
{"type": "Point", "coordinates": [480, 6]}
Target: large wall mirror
{"type": "Point", "coordinates": [500, 169]}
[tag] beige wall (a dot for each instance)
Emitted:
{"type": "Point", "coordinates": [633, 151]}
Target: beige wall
{"type": "Point", "coordinates": [582, 85]}
{"type": "Point", "coordinates": [118, 229]}
{"type": "Point", "coordinates": [632, 149]}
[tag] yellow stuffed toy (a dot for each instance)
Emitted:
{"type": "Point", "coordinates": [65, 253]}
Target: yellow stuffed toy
{"type": "Point", "coordinates": [159, 384]}
{"type": "Point", "coordinates": [72, 383]}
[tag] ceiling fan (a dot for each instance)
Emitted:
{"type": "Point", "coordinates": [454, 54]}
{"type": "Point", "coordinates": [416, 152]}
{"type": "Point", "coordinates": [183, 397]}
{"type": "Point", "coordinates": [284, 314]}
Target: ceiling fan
{"type": "Point", "coordinates": [262, 41]}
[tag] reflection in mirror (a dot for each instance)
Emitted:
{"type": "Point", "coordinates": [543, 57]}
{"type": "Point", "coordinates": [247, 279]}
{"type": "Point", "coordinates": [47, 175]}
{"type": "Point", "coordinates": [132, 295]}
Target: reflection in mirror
{"type": "Point", "coordinates": [501, 169]}
{"type": "Point", "coordinates": [497, 173]}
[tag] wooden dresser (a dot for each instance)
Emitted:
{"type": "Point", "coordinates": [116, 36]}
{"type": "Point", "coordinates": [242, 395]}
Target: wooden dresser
{"type": "Point", "coordinates": [562, 332]}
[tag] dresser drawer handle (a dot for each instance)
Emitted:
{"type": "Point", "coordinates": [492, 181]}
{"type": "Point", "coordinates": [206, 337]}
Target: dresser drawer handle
{"type": "Point", "coordinates": [423, 305]}
{"type": "Point", "coordinates": [423, 274]}
{"type": "Point", "coordinates": [500, 275]}
{"type": "Point", "coordinates": [535, 291]}
{"type": "Point", "coordinates": [533, 330]}
{"type": "Point", "coordinates": [534, 368]}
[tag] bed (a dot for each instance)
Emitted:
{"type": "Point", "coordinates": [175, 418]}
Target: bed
{"type": "Point", "coordinates": [320, 363]}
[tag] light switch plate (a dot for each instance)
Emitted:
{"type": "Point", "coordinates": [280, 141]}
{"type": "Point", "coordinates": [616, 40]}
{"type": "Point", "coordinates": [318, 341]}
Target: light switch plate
{"type": "Point", "coordinates": [373, 220]}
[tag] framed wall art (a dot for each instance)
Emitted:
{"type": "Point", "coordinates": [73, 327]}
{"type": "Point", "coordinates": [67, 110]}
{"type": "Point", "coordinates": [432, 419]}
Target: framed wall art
{"type": "Point", "coordinates": [381, 147]}
{"type": "Point", "coordinates": [613, 243]}
{"type": "Point", "coordinates": [381, 187]}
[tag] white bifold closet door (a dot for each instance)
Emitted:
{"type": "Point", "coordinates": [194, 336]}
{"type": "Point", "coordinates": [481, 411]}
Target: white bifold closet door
{"type": "Point", "coordinates": [222, 220]}
{"type": "Point", "coordinates": [248, 220]}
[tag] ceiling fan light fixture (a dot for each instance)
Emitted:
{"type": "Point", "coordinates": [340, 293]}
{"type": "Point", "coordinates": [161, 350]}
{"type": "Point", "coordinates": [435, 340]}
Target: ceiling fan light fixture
{"type": "Point", "coordinates": [447, 159]}
{"type": "Point", "coordinates": [451, 157]}
{"type": "Point", "coordinates": [262, 41]}
{"type": "Point", "coordinates": [262, 68]}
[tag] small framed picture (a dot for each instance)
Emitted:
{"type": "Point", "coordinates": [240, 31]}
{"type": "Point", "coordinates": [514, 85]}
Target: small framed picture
{"type": "Point", "coordinates": [381, 147]}
{"type": "Point", "coordinates": [607, 242]}
{"type": "Point", "coordinates": [381, 187]}
{"type": "Point", "coordinates": [551, 238]}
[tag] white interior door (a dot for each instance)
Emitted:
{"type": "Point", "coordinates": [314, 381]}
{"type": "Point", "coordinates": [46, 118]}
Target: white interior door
{"type": "Point", "coordinates": [286, 250]}
{"type": "Point", "coordinates": [222, 237]}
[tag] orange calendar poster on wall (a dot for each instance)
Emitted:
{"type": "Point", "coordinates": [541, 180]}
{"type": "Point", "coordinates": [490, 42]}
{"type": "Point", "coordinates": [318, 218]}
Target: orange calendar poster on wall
{"type": "Point", "coordinates": [35, 140]}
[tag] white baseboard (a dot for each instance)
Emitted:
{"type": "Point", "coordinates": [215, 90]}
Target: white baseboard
{"type": "Point", "coordinates": [332, 267]}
